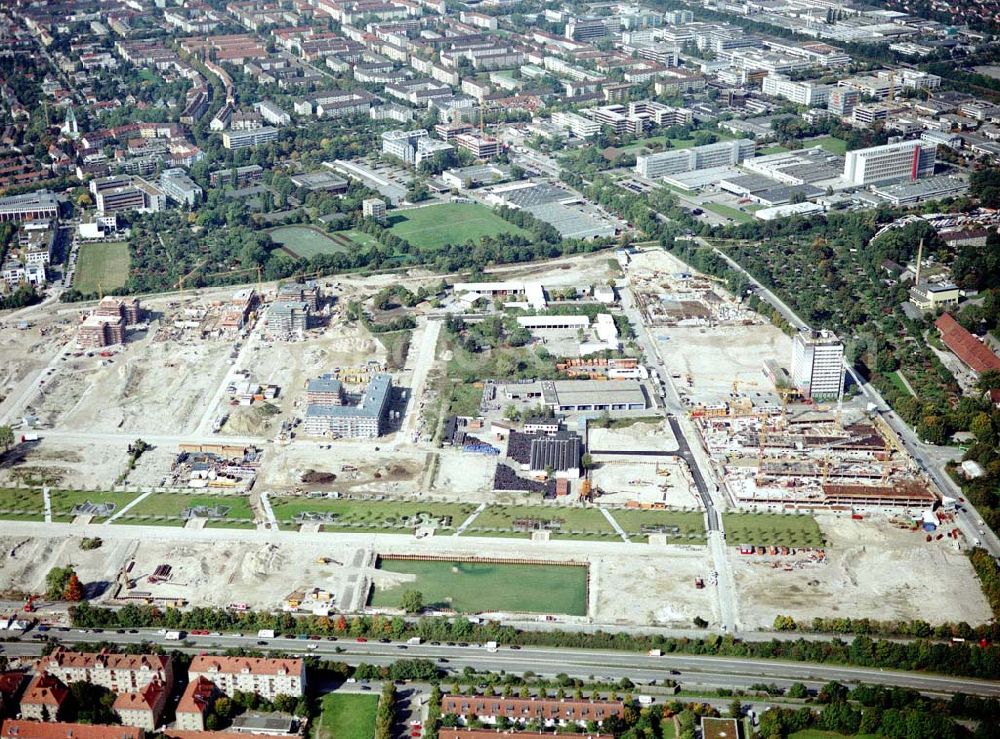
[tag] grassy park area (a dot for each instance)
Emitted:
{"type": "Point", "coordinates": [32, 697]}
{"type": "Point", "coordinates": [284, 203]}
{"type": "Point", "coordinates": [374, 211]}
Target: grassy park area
{"type": "Point", "coordinates": [678, 525]}
{"type": "Point", "coordinates": [369, 516]}
{"type": "Point", "coordinates": [166, 509]}
{"type": "Point", "coordinates": [570, 523]}
{"type": "Point", "coordinates": [101, 267]}
{"type": "Point", "coordinates": [64, 501]}
{"type": "Point", "coordinates": [346, 716]}
{"type": "Point", "coordinates": [22, 504]}
{"type": "Point", "coordinates": [433, 226]}
{"type": "Point", "coordinates": [765, 529]}
{"type": "Point", "coordinates": [306, 242]}
{"type": "Point", "coordinates": [727, 212]}
{"type": "Point", "coordinates": [830, 143]}
{"type": "Point", "coordinates": [475, 587]}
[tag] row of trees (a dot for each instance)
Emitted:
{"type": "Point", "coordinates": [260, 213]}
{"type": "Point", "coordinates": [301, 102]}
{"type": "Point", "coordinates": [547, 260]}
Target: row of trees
{"type": "Point", "coordinates": [385, 714]}
{"type": "Point", "coordinates": [965, 659]}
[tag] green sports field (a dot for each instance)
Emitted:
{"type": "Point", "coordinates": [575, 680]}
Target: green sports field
{"type": "Point", "coordinates": [101, 267]}
{"type": "Point", "coordinates": [306, 242]}
{"type": "Point", "coordinates": [474, 588]}
{"type": "Point", "coordinates": [433, 226]}
{"type": "Point", "coordinates": [347, 716]}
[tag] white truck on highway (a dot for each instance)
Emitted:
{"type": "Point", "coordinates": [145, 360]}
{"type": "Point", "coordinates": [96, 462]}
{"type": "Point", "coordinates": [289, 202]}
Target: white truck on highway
{"type": "Point", "coordinates": [414, 641]}
{"type": "Point", "coordinates": [491, 646]}
{"type": "Point", "coordinates": [265, 634]}
{"type": "Point", "coordinates": [173, 635]}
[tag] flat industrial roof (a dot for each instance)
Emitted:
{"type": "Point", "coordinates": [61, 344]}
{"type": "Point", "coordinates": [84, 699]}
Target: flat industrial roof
{"type": "Point", "coordinates": [590, 392]}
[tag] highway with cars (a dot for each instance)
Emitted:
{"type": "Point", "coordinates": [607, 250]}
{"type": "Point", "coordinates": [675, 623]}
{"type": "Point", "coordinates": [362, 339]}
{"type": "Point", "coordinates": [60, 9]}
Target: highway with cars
{"type": "Point", "coordinates": [611, 665]}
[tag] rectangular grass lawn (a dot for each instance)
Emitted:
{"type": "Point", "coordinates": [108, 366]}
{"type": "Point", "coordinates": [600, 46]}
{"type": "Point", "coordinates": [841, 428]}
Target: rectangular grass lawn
{"type": "Point", "coordinates": [347, 716]}
{"type": "Point", "coordinates": [728, 212]}
{"type": "Point", "coordinates": [778, 529]}
{"type": "Point", "coordinates": [101, 267]}
{"type": "Point", "coordinates": [575, 523]}
{"type": "Point", "coordinates": [26, 501]}
{"type": "Point", "coordinates": [476, 587]}
{"type": "Point", "coordinates": [830, 143]}
{"type": "Point", "coordinates": [368, 516]}
{"type": "Point", "coordinates": [166, 508]}
{"type": "Point", "coordinates": [691, 524]}
{"type": "Point", "coordinates": [63, 502]}
{"type": "Point", "coordinates": [304, 241]}
{"type": "Point", "coordinates": [433, 226]}
{"type": "Point", "coordinates": [364, 516]}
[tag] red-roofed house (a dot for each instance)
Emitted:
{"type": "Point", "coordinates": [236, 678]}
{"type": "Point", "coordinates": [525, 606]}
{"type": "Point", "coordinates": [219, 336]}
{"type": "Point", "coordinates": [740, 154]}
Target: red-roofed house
{"type": "Point", "coordinates": [10, 686]}
{"type": "Point", "coordinates": [266, 677]}
{"type": "Point", "coordinates": [119, 673]}
{"type": "Point", "coordinates": [974, 353]}
{"type": "Point", "coordinates": [43, 699]}
{"type": "Point", "coordinates": [552, 712]}
{"type": "Point", "coordinates": [196, 701]}
{"type": "Point", "coordinates": [143, 707]}
{"type": "Point", "coordinates": [178, 734]}
{"type": "Point", "coordinates": [38, 730]}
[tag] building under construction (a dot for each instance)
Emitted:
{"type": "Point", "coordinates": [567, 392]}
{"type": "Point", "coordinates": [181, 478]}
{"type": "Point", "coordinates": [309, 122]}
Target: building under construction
{"type": "Point", "coordinates": [811, 459]}
{"type": "Point", "coordinates": [106, 326]}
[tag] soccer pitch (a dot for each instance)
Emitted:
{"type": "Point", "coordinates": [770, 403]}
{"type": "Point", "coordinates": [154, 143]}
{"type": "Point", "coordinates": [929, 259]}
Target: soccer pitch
{"type": "Point", "coordinates": [433, 226]}
{"type": "Point", "coordinates": [473, 587]}
{"type": "Point", "coordinates": [101, 267]}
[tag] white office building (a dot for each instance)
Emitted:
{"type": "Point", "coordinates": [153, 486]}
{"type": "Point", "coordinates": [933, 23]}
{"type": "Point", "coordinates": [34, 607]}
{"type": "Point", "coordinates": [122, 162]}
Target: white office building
{"type": "Point", "coordinates": [412, 147]}
{"type": "Point", "coordinates": [675, 161]}
{"type": "Point", "coordinates": [818, 363]}
{"type": "Point", "coordinates": [576, 124]}
{"type": "Point", "coordinates": [903, 160]}
{"type": "Point", "coordinates": [800, 93]}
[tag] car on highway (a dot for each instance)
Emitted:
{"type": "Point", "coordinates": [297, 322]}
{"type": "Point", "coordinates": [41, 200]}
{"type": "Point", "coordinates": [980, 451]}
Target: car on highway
{"type": "Point", "coordinates": [261, 643]}
{"type": "Point", "coordinates": [361, 640]}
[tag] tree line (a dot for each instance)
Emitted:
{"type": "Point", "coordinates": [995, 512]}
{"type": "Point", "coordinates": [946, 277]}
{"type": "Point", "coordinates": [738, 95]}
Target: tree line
{"type": "Point", "coordinates": [921, 655]}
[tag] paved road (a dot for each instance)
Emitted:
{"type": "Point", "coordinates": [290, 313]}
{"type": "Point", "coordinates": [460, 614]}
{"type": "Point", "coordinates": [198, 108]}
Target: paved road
{"type": "Point", "coordinates": [697, 461]}
{"type": "Point", "coordinates": [721, 671]}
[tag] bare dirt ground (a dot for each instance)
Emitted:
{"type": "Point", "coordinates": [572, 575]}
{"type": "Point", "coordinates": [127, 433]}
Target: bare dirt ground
{"type": "Point", "coordinates": [717, 357]}
{"type": "Point", "coordinates": [398, 472]}
{"type": "Point", "coordinates": [25, 561]}
{"type": "Point", "coordinates": [872, 570]}
{"type": "Point", "coordinates": [24, 352]}
{"type": "Point", "coordinates": [623, 479]}
{"type": "Point", "coordinates": [148, 385]}
{"type": "Point", "coordinates": [653, 588]}
{"type": "Point", "coordinates": [641, 436]}
{"type": "Point", "coordinates": [633, 587]}
{"type": "Point", "coordinates": [461, 475]}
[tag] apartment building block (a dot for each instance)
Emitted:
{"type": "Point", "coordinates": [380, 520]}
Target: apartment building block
{"type": "Point", "coordinates": [265, 677]}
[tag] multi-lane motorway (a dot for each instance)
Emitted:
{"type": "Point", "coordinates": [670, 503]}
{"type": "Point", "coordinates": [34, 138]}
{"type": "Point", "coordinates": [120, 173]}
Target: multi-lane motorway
{"type": "Point", "coordinates": [690, 670]}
